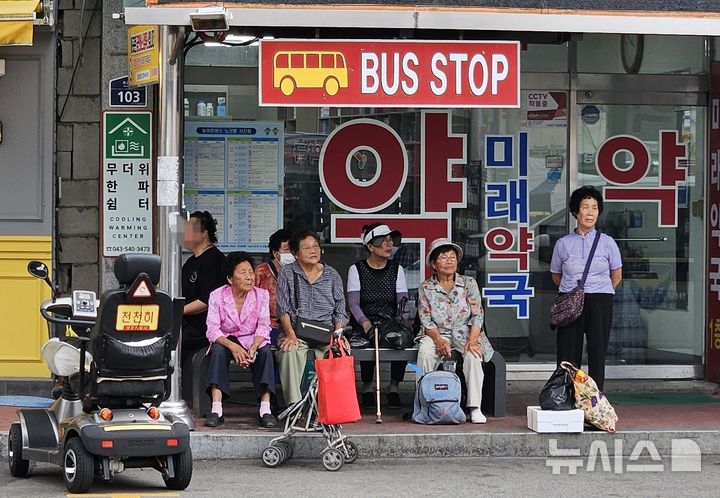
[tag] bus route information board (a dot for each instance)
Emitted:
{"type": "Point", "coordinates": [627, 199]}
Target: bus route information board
{"type": "Point", "coordinates": [234, 170]}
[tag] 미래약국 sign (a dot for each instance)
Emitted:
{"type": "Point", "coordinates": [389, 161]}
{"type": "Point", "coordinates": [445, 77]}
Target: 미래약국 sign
{"type": "Point", "coordinates": [389, 73]}
{"type": "Point", "coordinates": [127, 183]}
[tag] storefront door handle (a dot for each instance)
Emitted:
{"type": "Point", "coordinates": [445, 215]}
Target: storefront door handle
{"type": "Point", "coordinates": [644, 239]}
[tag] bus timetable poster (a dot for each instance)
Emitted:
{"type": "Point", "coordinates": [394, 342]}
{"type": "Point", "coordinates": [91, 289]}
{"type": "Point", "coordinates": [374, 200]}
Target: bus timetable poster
{"type": "Point", "coordinates": [234, 170]}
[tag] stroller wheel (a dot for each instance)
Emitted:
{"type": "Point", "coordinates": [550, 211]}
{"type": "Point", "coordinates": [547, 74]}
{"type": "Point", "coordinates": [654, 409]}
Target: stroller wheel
{"type": "Point", "coordinates": [273, 456]}
{"type": "Point", "coordinates": [351, 453]}
{"type": "Point", "coordinates": [333, 459]}
{"type": "Point", "coordinates": [287, 448]}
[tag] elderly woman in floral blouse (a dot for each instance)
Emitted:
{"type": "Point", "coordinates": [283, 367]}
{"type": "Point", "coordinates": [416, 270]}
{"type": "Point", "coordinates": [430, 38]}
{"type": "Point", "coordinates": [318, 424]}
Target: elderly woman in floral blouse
{"type": "Point", "coordinates": [452, 317]}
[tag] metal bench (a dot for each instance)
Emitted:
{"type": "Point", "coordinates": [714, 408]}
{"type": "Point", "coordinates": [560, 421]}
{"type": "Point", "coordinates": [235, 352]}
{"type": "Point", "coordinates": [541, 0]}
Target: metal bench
{"type": "Point", "coordinates": [494, 386]}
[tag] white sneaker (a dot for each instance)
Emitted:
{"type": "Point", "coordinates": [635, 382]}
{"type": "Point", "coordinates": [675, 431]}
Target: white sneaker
{"type": "Point", "coordinates": [476, 416]}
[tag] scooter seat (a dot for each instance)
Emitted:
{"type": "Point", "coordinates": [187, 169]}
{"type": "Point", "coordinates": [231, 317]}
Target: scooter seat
{"type": "Point", "coordinates": [63, 359]}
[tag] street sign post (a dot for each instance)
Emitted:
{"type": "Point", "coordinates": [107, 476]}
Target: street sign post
{"type": "Point", "coordinates": [127, 183]}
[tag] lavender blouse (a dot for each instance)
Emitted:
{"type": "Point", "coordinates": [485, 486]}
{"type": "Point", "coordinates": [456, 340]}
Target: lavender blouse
{"type": "Point", "coordinates": [570, 255]}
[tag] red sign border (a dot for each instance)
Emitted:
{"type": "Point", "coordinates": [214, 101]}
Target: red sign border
{"type": "Point", "coordinates": [518, 100]}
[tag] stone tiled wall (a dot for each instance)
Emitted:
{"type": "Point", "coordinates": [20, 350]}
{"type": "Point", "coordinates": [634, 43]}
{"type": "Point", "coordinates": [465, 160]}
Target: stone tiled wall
{"type": "Point", "coordinates": [92, 48]}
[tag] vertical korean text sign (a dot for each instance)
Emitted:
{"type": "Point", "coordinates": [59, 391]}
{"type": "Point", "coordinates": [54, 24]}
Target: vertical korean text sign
{"type": "Point", "coordinates": [712, 360]}
{"type": "Point", "coordinates": [127, 183]}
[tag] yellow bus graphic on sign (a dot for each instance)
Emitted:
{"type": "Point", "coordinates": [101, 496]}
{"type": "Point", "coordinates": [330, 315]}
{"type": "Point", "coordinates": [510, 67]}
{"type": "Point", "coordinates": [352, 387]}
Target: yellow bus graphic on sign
{"type": "Point", "coordinates": [309, 69]}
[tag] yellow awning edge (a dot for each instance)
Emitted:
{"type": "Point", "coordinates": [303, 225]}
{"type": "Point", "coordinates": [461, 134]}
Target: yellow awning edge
{"type": "Point", "coordinates": [16, 21]}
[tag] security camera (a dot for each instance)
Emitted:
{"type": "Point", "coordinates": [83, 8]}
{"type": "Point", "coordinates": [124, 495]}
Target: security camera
{"type": "Point", "coordinates": [208, 19]}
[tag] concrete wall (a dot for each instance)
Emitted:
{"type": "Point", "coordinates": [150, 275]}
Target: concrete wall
{"type": "Point", "coordinates": [78, 91]}
{"type": "Point", "coordinates": [93, 46]}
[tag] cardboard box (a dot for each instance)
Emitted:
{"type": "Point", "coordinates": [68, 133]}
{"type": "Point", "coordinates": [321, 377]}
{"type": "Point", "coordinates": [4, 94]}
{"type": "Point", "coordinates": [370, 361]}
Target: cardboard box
{"type": "Point", "coordinates": [555, 420]}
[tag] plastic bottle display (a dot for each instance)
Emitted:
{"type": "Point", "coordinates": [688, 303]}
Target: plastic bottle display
{"type": "Point", "coordinates": [201, 108]}
{"type": "Point", "coordinates": [221, 109]}
{"type": "Point", "coordinates": [186, 107]}
{"type": "Point", "coordinates": [209, 111]}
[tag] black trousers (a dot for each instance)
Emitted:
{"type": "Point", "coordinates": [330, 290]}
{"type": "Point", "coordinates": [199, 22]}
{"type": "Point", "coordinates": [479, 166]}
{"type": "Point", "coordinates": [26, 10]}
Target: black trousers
{"type": "Point", "coordinates": [397, 370]}
{"type": "Point", "coordinates": [262, 370]}
{"type": "Point", "coordinates": [594, 323]}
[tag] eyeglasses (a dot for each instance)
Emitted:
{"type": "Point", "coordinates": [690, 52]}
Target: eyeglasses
{"type": "Point", "coordinates": [314, 247]}
{"type": "Point", "coordinates": [446, 258]}
{"type": "Point", "coordinates": [379, 241]}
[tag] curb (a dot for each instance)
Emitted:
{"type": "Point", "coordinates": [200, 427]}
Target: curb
{"type": "Point", "coordinates": [218, 445]}
{"type": "Point", "coordinates": [230, 445]}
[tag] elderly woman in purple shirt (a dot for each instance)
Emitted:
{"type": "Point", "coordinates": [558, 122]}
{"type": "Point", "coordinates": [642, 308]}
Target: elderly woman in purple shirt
{"type": "Point", "coordinates": [567, 266]}
{"type": "Point", "coordinates": [238, 328]}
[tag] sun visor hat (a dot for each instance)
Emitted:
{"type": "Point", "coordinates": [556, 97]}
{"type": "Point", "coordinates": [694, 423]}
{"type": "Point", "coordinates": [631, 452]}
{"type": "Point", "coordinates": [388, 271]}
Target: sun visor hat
{"type": "Point", "coordinates": [378, 234]}
{"type": "Point", "coordinates": [442, 243]}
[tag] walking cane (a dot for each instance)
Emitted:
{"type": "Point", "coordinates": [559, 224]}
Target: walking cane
{"type": "Point", "coordinates": [378, 415]}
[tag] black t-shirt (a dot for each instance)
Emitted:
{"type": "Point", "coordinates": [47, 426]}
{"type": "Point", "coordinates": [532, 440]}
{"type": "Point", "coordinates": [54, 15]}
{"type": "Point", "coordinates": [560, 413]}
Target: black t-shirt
{"type": "Point", "coordinates": [200, 276]}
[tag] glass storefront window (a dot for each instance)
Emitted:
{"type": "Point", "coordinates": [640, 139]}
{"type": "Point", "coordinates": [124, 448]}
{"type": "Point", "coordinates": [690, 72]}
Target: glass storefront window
{"type": "Point", "coordinates": [659, 305]}
{"type": "Point", "coordinates": [641, 54]}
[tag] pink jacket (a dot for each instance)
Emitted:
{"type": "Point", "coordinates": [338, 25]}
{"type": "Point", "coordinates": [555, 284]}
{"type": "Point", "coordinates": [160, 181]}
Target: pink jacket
{"type": "Point", "coordinates": [254, 319]}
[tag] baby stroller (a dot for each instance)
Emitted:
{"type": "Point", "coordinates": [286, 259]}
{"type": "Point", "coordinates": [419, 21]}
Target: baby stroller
{"type": "Point", "coordinates": [303, 417]}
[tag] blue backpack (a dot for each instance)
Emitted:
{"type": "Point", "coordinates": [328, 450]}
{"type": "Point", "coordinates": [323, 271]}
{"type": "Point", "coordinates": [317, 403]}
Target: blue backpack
{"type": "Point", "coordinates": [437, 398]}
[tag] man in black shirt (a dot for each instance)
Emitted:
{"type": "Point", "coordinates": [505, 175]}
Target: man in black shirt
{"type": "Point", "coordinates": [202, 273]}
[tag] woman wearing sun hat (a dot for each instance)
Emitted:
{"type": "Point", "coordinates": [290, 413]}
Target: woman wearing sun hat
{"type": "Point", "coordinates": [451, 316]}
{"type": "Point", "coordinates": [375, 286]}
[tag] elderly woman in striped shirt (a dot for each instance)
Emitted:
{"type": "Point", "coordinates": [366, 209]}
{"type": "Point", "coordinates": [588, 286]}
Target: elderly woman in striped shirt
{"type": "Point", "coordinates": [321, 295]}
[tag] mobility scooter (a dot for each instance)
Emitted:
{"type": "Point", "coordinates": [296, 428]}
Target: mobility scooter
{"type": "Point", "coordinates": [115, 373]}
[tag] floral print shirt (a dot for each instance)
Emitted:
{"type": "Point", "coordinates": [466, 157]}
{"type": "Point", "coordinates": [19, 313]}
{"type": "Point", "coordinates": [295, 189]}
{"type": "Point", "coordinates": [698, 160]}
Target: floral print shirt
{"type": "Point", "coordinates": [453, 313]}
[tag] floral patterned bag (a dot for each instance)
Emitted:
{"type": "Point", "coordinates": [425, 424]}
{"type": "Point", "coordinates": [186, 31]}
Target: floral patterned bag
{"type": "Point", "coordinates": [591, 400]}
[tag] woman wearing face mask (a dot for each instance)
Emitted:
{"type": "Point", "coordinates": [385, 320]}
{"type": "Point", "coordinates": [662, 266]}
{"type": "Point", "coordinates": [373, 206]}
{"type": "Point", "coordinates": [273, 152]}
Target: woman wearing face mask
{"type": "Point", "coordinates": [375, 286]}
{"type": "Point", "coordinates": [202, 273]}
{"type": "Point", "coordinates": [266, 273]}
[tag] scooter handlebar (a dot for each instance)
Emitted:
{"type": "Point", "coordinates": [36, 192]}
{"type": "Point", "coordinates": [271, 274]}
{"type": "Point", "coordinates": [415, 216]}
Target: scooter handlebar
{"type": "Point", "coordinates": [64, 320]}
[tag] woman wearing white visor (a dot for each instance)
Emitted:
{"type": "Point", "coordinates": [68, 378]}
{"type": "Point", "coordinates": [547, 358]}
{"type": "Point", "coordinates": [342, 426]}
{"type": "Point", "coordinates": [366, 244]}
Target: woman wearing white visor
{"type": "Point", "coordinates": [375, 287]}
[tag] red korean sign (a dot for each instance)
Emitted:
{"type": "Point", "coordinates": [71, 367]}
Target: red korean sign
{"type": "Point", "coordinates": [366, 73]}
{"type": "Point", "coordinates": [712, 203]}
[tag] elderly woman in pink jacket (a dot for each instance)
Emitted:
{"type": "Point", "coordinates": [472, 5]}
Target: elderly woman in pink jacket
{"type": "Point", "coordinates": [238, 328]}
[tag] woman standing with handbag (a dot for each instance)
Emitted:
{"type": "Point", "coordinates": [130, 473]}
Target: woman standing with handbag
{"type": "Point", "coordinates": [375, 286]}
{"type": "Point", "coordinates": [569, 258]}
{"type": "Point", "coordinates": [314, 291]}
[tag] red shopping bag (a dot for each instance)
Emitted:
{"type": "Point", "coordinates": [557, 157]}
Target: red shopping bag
{"type": "Point", "coordinates": [337, 400]}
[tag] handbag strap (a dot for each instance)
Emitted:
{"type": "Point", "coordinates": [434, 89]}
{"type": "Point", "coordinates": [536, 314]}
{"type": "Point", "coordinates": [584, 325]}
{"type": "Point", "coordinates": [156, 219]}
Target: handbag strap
{"type": "Point", "coordinates": [297, 299]}
{"type": "Point", "coordinates": [581, 283]}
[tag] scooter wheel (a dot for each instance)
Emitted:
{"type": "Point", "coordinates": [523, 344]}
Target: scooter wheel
{"type": "Point", "coordinates": [273, 456]}
{"type": "Point", "coordinates": [351, 453]}
{"type": "Point", "coordinates": [333, 459]}
{"type": "Point", "coordinates": [183, 466]}
{"type": "Point", "coordinates": [78, 466]}
{"type": "Point", "coordinates": [18, 466]}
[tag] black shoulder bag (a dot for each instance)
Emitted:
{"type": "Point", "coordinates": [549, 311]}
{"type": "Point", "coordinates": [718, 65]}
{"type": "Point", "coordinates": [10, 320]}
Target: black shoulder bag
{"type": "Point", "coordinates": [394, 332]}
{"type": "Point", "coordinates": [315, 333]}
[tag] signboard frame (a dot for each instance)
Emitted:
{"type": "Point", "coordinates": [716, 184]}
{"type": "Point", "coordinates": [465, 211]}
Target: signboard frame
{"type": "Point", "coordinates": [118, 178]}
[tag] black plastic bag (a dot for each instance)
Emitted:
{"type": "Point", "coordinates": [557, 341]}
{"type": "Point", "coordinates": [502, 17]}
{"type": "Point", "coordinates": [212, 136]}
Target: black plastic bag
{"type": "Point", "coordinates": [394, 332]}
{"type": "Point", "coordinates": [558, 392]}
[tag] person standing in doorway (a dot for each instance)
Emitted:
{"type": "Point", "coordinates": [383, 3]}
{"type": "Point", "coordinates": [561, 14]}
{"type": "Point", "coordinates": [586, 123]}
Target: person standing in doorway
{"type": "Point", "coordinates": [202, 273]}
{"type": "Point", "coordinates": [375, 286]}
{"type": "Point", "coordinates": [567, 266]}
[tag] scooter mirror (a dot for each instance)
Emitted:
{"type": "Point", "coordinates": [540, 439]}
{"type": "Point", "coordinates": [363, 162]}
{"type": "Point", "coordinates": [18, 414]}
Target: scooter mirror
{"type": "Point", "coordinates": [38, 269]}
